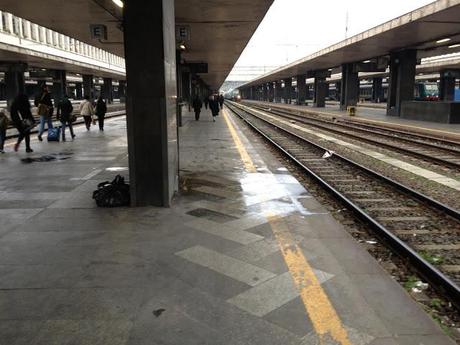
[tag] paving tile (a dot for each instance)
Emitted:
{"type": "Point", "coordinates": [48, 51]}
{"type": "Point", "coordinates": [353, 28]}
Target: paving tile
{"type": "Point", "coordinates": [255, 251]}
{"type": "Point", "coordinates": [403, 316]}
{"type": "Point", "coordinates": [267, 296]}
{"type": "Point", "coordinates": [224, 231]}
{"type": "Point", "coordinates": [84, 332]}
{"type": "Point", "coordinates": [226, 265]}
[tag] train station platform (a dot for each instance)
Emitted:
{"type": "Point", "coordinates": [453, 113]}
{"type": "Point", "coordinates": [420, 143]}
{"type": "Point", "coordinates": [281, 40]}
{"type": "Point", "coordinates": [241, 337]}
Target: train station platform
{"type": "Point", "coordinates": [244, 256]}
{"type": "Point", "coordinates": [377, 115]}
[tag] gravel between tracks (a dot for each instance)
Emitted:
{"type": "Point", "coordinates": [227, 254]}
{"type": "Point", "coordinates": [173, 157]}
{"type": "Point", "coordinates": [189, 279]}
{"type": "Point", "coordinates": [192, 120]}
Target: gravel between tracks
{"type": "Point", "coordinates": [443, 194]}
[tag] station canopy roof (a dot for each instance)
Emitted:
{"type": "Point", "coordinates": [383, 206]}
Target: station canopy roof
{"type": "Point", "coordinates": [424, 29]}
{"type": "Point", "coordinates": [219, 29]}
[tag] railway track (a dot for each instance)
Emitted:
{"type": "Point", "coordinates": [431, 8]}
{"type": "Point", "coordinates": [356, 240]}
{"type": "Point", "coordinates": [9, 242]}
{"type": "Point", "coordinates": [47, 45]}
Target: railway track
{"type": "Point", "coordinates": [445, 153]}
{"type": "Point", "coordinates": [416, 227]}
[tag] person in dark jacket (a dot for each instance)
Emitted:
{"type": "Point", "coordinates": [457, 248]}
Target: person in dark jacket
{"type": "Point", "coordinates": [206, 101]}
{"type": "Point", "coordinates": [22, 119]}
{"type": "Point", "coordinates": [101, 109]}
{"type": "Point", "coordinates": [64, 114]}
{"type": "Point", "coordinates": [214, 106]}
{"type": "Point", "coordinates": [221, 101]}
{"type": "Point", "coordinates": [197, 105]}
{"type": "Point", "coordinates": [45, 110]}
{"type": "Point", "coordinates": [3, 127]}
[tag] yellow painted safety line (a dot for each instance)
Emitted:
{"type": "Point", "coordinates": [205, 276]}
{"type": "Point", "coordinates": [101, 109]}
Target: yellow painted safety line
{"type": "Point", "coordinates": [325, 320]}
{"type": "Point", "coordinates": [248, 163]}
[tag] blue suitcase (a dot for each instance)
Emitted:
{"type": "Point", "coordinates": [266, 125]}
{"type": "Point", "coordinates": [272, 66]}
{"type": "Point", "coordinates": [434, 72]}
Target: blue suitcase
{"type": "Point", "coordinates": [54, 134]}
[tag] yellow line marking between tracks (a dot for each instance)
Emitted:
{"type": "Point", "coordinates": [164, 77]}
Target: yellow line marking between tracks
{"type": "Point", "coordinates": [325, 320]}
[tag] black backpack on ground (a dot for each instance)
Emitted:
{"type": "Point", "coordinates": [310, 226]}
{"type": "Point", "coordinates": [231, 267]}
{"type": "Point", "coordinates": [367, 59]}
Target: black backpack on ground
{"type": "Point", "coordinates": [112, 194]}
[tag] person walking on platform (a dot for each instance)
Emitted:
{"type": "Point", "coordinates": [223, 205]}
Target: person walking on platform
{"type": "Point", "coordinates": [206, 102]}
{"type": "Point", "coordinates": [221, 101]}
{"type": "Point", "coordinates": [101, 109]}
{"type": "Point", "coordinates": [3, 126]}
{"type": "Point", "coordinates": [64, 114]}
{"type": "Point", "coordinates": [45, 110]}
{"type": "Point", "coordinates": [214, 106]}
{"type": "Point", "coordinates": [87, 111]}
{"type": "Point", "coordinates": [22, 119]}
{"type": "Point", "coordinates": [197, 105]}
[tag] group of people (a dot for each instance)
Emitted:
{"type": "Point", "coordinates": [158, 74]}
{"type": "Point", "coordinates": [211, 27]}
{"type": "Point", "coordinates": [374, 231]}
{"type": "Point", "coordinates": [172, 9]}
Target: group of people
{"type": "Point", "coordinates": [215, 102]}
{"type": "Point", "coordinates": [23, 120]}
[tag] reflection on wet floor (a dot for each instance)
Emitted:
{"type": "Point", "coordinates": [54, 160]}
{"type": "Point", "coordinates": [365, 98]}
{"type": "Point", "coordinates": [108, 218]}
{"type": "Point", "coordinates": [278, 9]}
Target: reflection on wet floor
{"type": "Point", "coordinates": [48, 158]}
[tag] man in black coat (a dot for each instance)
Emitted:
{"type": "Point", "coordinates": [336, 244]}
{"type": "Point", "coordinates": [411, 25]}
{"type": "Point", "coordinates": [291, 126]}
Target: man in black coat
{"type": "Point", "coordinates": [197, 105]}
{"type": "Point", "coordinates": [22, 119]}
{"type": "Point", "coordinates": [214, 106]}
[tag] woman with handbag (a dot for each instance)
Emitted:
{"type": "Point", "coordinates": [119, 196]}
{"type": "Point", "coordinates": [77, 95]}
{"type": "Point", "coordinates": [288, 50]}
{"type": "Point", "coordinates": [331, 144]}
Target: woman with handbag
{"type": "Point", "coordinates": [22, 119]}
{"type": "Point", "coordinates": [64, 113]}
{"type": "Point", "coordinates": [87, 111]}
{"type": "Point", "coordinates": [45, 110]}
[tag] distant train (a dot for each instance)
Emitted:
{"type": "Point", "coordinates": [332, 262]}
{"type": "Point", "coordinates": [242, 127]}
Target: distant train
{"type": "Point", "coordinates": [423, 91]}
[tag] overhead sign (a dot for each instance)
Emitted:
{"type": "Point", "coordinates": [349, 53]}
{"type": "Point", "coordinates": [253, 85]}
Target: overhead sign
{"type": "Point", "coordinates": [98, 31]}
{"type": "Point", "coordinates": [182, 33]}
{"type": "Point", "coordinates": [198, 67]}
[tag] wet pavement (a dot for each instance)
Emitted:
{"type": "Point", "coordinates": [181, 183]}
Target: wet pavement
{"type": "Point", "coordinates": [244, 256]}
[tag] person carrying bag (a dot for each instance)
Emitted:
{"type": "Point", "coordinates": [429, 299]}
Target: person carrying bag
{"type": "Point", "coordinates": [45, 111]}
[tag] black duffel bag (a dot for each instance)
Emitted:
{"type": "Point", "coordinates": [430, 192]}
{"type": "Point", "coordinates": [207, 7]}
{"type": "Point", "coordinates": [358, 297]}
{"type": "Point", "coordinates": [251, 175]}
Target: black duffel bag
{"type": "Point", "coordinates": [112, 194]}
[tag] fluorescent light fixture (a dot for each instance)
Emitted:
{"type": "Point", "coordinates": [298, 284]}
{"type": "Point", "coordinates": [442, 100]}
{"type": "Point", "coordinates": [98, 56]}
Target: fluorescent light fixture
{"type": "Point", "coordinates": [455, 45]}
{"type": "Point", "coordinates": [119, 3]}
{"type": "Point", "coordinates": [367, 61]}
{"type": "Point", "coordinates": [443, 40]}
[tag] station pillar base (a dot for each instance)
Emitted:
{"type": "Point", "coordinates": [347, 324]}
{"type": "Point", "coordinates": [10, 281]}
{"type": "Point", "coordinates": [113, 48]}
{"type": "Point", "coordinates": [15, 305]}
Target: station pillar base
{"type": "Point", "coordinates": [151, 101]}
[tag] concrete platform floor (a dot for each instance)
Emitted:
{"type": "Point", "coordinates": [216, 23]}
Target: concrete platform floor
{"type": "Point", "coordinates": [378, 115]}
{"type": "Point", "coordinates": [245, 256]}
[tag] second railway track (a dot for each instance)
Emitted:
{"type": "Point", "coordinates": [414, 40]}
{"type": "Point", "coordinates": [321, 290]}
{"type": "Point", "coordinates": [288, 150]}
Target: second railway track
{"type": "Point", "coordinates": [445, 153]}
{"type": "Point", "coordinates": [416, 227]}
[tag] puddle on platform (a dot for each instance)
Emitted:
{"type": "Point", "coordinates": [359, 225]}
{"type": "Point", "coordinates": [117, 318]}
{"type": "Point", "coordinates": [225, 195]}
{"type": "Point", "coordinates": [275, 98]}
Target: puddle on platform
{"type": "Point", "coordinates": [47, 158]}
{"type": "Point", "coordinates": [211, 215]}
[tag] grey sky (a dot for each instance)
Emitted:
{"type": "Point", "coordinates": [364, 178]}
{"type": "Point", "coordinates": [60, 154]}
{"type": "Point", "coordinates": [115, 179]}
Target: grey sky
{"type": "Point", "coordinates": [295, 28]}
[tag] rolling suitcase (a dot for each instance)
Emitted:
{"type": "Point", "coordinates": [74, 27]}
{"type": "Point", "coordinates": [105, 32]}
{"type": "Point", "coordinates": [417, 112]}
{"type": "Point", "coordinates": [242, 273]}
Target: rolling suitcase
{"type": "Point", "coordinates": [54, 134]}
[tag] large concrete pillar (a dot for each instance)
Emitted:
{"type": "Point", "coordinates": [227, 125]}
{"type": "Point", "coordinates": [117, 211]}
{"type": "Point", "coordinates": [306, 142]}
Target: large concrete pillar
{"type": "Point", "coordinates": [377, 90]}
{"type": "Point", "coordinates": [447, 84]}
{"type": "Point", "coordinates": [14, 81]}
{"type": "Point", "coordinates": [151, 101]}
{"type": "Point", "coordinates": [277, 92]}
{"type": "Point", "coordinates": [287, 90]}
{"type": "Point", "coordinates": [88, 86]}
{"type": "Point", "coordinates": [349, 92]}
{"type": "Point", "coordinates": [264, 92]}
{"type": "Point", "coordinates": [271, 92]}
{"type": "Point", "coordinates": [338, 88]}
{"type": "Point", "coordinates": [59, 86]}
{"type": "Point", "coordinates": [320, 86]}
{"type": "Point", "coordinates": [122, 91]}
{"type": "Point", "coordinates": [301, 89]}
{"type": "Point", "coordinates": [107, 90]}
{"type": "Point", "coordinates": [78, 91]}
{"type": "Point", "coordinates": [186, 86]}
{"type": "Point", "coordinates": [402, 80]}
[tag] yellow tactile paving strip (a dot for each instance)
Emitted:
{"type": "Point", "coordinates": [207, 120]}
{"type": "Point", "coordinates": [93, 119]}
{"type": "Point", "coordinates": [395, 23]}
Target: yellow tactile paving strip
{"type": "Point", "coordinates": [319, 308]}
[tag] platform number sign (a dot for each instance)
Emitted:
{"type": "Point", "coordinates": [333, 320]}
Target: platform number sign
{"type": "Point", "coordinates": [98, 32]}
{"type": "Point", "coordinates": [182, 33]}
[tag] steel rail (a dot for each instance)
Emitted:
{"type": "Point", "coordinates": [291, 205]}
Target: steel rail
{"type": "Point", "coordinates": [431, 274]}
